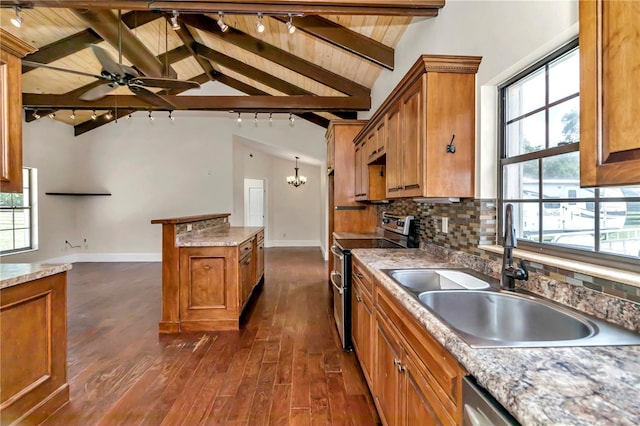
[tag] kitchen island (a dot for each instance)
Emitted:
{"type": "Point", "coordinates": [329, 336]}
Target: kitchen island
{"type": "Point", "coordinates": [209, 271]}
{"type": "Point", "coordinates": [566, 385]}
{"type": "Point", "coordinates": [33, 341]}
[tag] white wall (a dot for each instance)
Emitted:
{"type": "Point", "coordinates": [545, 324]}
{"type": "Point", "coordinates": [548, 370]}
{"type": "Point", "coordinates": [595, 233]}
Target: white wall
{"type": "Point", "coordinates": [154, 170]}
{"type": "Point", "coordinates": [509, 35]}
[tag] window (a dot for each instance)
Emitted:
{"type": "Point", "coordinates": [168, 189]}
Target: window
{"type": "Point", "coordinates": [540, 169]}
{"type": "Point", "coordinates": [17, 216]}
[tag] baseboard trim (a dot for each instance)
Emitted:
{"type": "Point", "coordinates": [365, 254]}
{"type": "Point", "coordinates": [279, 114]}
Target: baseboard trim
{"type": "Point", "coordinates": [292, 243]}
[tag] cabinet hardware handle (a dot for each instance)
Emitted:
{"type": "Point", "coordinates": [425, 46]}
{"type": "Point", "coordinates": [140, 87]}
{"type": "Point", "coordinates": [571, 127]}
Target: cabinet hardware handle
{"type": "Point", "coordinates": [396, 361]}
{"type": "Point", "coordinates": [247, 248]}
{"type": "Point", "coordinates": [207, 267]}
{"type": "Point", "coordinates": [359, 275]}
{"type": "Point", "coordinates": [248, 261]}
{"type": "Point", "coordinates": [402, 368]}
{"type": "Point", "coordinates": [358, 298]}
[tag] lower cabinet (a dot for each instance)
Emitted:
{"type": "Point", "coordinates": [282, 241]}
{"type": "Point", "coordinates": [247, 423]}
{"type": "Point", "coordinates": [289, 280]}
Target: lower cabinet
{"type": "Point", "coordinates": [362, 327]}
{"type": "Point", "coordinates": [413, 379]}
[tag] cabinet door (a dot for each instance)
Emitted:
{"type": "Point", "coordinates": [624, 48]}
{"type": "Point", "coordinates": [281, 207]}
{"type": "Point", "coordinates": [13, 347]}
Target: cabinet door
{"type": "Point", "coordinates": [358, 171]}
{"type": "Point", "coordinates": [386, 381]}
{"type": "Point", "coordinates": [419, 403]}
{"type": "Point", "coordinates": [372, 146]}
{"type": "Point", "coordinates": [609, 87]}
{"type": "Point", "coordinates": [381, 136]}
{"type": "Point", "coordinates": [394, 152]}
{"type": "Point", "coordinates": [365, 331]}
{"type": "Point", "coordinates": [246, 278]}
{"type": "Point", "coordinates": [364, 170]}
{"type": "Point", "coordinates": [331, 149]}
{"type": "Point", "coordinates": [11, 123]}
{"type": "Point", "coordinates": [259, 260]}
{"type": "Point", "coordinates": [413, 128]}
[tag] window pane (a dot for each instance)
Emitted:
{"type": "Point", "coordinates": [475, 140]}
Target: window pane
{"type": "Point", "coordinates": [526, 220]}
{"type": "Point", "coordinates": [526, 135]}
{"type": "Point", "coordinates": [564, 123]}
{"type": "Point", "coordinates": [622, 191]}
{"type": "Point", "coordinates": [22, 238]}
{"type": "Point", "coordinates": [564, 76]}
{"type": "Point", "coordinates": [569, 224]}
{"type": "Point", "coordinates": [526, 95]}
{"type": "Point", "coordinates": [561, 177]}
{"type": "Point", "coordinates": [6, 240]}
{"type": "Point", "coordinates": [624, 239]}
{"type": "Point", "coordinates": [21, 218]}
{"type": "Point", "coordinates": [6, 219]}
{"type": "Point", "coordinates": [521, 180]}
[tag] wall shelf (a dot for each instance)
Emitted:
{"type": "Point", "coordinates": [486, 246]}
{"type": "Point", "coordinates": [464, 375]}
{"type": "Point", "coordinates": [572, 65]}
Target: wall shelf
{"type": "Point", "coordinates": [80, 194]}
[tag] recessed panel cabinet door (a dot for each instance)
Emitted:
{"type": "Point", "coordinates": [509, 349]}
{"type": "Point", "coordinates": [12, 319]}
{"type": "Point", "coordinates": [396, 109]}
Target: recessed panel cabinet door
{"type": "Point", "coordinates": [609, 92]}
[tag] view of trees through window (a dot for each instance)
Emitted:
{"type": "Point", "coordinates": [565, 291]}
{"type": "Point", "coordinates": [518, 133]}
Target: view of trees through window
{"type": "Point", "coordinates": [16, 217]}
{"type": "Point", "coordinates": [540, 166]}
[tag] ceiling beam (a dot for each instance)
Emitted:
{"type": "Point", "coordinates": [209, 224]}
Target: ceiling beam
{"type": "Point", "coordinates": [428, 8]}
{"type": "Point", "coordinates": [206, 103]}
{"type": "Point", "coordinates": [346, 39]}
{"type": "Point", "coordinates": [188, 40]}
{"type": "Point", "coordinates": [106, 24]}
{"type": "Point", "coordinates": [80, 40]}
{"type": "Point", "coordinates": [279, 56]}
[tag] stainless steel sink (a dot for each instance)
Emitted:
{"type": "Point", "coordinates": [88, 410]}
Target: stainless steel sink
{"type": "Point", "coordinates": [419, 280]}
{"type": "Point", "coordinates": [499, 319]}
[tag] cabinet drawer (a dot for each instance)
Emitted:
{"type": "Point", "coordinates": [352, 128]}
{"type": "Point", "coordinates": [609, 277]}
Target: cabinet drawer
{"type": "Point", "coordinates": [245, 248]}
{"type": "Point", "coordinates": [260, 237]}
{"type": "Point", "coordinates": [439, 368]}
{"type": "Point", "coordinates": [363, 276]}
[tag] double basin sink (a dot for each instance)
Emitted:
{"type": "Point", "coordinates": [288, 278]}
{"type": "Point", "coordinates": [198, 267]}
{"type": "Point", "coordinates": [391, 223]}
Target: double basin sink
{"type": "Point", "coordinates": [485, 317]}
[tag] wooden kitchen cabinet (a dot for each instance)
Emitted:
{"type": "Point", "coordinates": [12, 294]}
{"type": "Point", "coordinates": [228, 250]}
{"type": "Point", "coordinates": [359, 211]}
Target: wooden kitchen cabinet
{"type": "Point", "coordinates": [369, 178]}
{"type": "Point", "coordinates": [609, 87]}
{"type": "Point", "coordinates": [259, 256]}
{"type": "Point", "coordinates": [247, 276]}
{"type": "Point", "coordinates": [362, 320]}
{"type": "Point", "coordinates": [415, 379]}
{"type": "Point", "coordinates": [11, 50]}
{"type": "Point", "coordinates": [394, 151]}
{"type": "Point", "coordinates": [381, 137]}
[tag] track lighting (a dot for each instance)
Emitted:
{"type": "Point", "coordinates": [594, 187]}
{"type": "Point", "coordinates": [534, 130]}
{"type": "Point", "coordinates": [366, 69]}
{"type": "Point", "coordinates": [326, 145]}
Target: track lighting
{"type": "Point", "coordinates": [129, 116]}
{"type": "Point", "coordinates": [174, 20]}
{"type": "Point", "coordinates": [17, 20]}
{"type": "Point", "coordinates": [239, 118]}
{"type": "Point", "coordinates": [290, 27]}
{"type": "Point", "coordinates": [291, 119]}
{"type": "Point", "coordinates": [259, 24]}
{"type": "Point", "coordinates": [171, 117]}
{"type": "Point", "coordinates": [109, 115]}
{"type": "Point", "coordinates": [270, 119]}
{"type": "Point", "coordinates": [255, 119]}
{"type": "Point", "coordinates": [151, 116]}
{"type": "Point", "coordinates": [93, 115]}
{"type": "Point", "coordinates": [36, 115]}
{"type": "Point", "coordinates": [52, 115]}
{"type": "Point", "coordinates": [223, 27]}
{"type": "Point", "coordinates": [73, 115]}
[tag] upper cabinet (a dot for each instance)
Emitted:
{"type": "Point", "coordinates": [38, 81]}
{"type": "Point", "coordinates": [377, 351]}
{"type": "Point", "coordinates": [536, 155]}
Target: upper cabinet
{"type": "Point", "coordinates": [11, 50]}
{"type": "Point", "coordinates": [609, 88]}
{"type": "Point", "coordinates": [425, 130]}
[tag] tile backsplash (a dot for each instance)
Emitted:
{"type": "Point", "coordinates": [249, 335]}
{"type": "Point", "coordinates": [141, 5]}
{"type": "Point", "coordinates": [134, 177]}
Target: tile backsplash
{"type": "Point", "coordinates": [473, 222]}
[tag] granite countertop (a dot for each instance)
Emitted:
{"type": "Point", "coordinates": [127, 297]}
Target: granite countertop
{"type": "Point", "coordinates": [18, 273]}
{"type": "Point", "coordinates": [217, 236]}
{"type": "Point", "coordinates": [568, 386]}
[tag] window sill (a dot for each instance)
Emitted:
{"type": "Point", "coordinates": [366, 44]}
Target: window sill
{"type": "Point", "coordinates": [18, 252]}
{"type": "Point", "coordinates": [612, 274]}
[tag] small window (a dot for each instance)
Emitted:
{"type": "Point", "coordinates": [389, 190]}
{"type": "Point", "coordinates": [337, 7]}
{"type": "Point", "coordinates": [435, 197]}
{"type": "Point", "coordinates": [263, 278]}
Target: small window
{"type": "Point", "coordinates": [540, 170]}
{"type": "Point", "coordinates": [17, 217]}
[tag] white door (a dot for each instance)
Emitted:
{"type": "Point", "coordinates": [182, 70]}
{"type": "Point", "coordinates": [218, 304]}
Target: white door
{"type": "Point", "coordinates": [254, 202]}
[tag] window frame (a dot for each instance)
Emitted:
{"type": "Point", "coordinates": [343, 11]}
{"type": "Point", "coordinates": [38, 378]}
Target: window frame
{"type": "Point", "coordinates": [28, 182]}
{"type": "Point", "coordinates": [594, 256]}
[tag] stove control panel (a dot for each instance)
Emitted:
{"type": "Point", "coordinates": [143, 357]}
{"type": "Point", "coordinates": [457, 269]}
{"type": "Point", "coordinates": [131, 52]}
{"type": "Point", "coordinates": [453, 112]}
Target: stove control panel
{"type": "Point", "coordinates": [395, 223]}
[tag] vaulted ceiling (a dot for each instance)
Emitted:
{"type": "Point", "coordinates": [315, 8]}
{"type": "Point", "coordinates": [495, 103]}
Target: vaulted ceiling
{"type": "Point", "coordinates": [322, 71]}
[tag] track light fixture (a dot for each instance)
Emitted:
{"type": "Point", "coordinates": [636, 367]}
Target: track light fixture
{"type": "Point", "coordinates": [290, 27]}
{"type": "Point", "coordinates": [36, 115]}
{"type": "Point", "coordinates": [291, 119]}
{"type": "Point", "coordinates": [174, 21]}
{"type": "Point", "coordinates": [93, 115]}
{"type": "Point", "coordinates": [109, 115]}
{"type": "Point", "coordinates": [239, 120]}
{"type": "Point", "coordinates": [52, 115]}
{"type": "Point", "coordinates": [129, 116]}
{"type": "Point", "coordinates": [255, 119]}
{"type": "Point", "coordinates": [259, 24]}
{"type": "Point", "coordinates": [223, 27]}
{"type": "Point", "coordinates": [17, 20]}
{"type": "Point", "coordinates": [171, 117]}
{"type": "Point", "coordinates": [270, 119]}
{"type": "Point", "coordinates": [151, 117]}
{"type": "Point", "coordinates": [73, 115]}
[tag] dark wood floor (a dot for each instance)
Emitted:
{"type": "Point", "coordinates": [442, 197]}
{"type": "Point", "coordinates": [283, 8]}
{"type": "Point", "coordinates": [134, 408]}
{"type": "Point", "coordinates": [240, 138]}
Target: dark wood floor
{"type": "Point", "coordinates": [284, 367]}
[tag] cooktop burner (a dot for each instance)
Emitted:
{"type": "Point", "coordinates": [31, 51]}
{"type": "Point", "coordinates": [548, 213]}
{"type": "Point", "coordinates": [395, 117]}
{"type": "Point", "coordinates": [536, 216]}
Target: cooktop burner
{"type": "Point", "coordinates": [346, 244]}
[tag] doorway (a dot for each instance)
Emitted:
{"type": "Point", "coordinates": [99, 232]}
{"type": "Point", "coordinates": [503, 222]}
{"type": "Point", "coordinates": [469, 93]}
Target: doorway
{"type": "Point", "coordinates": [254, 198]}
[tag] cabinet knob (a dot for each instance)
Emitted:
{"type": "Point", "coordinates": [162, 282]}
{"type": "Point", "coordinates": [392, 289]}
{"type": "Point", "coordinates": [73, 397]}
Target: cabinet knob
{"type": "Point", "coordinates": [207, 267]}
{"type": "Point", "coordinates": [359, 275]}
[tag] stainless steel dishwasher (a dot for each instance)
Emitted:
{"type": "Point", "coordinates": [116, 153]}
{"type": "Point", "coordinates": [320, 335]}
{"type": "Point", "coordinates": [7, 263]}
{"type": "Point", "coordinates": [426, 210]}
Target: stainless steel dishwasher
{"type": "Point", "coordinates": [480, 408]}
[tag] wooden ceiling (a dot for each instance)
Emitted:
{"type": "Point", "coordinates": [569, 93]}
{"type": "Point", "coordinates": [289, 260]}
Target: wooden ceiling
{"type": "Point", "coordinates": [323, 71]}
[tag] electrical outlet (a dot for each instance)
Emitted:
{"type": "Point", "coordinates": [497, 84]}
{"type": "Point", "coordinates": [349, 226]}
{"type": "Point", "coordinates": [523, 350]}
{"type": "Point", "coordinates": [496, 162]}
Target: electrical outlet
{"type": "Point", "coordinates": [445, 224]}
{"type": "Point", "coordinates": [189, 227]}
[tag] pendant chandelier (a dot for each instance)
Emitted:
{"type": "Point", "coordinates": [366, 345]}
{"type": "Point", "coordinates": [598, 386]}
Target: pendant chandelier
{"type": "Point", "coordinates": [296, 180]}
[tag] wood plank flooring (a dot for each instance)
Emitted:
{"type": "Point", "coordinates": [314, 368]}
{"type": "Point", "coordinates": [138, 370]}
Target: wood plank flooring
{"type": "Point", "coordinates": [284, 367]}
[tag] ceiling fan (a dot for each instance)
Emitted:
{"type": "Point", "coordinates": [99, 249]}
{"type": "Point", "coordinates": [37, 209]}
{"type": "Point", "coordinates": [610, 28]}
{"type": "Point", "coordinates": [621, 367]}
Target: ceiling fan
{"type": "Point", "coordinates": [117, 74]}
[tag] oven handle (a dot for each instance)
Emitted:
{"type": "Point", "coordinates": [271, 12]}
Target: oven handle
{"type": "Point", "coordinates": [334, 250]}
{"type": "Point", "coordinates": [333, 275]}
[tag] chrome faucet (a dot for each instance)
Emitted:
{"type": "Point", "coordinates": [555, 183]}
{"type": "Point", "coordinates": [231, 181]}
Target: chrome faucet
{"type": "Point", "coordinates": [510, 273]}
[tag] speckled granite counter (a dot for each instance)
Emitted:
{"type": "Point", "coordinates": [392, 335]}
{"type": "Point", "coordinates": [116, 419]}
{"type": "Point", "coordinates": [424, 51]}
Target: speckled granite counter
{"type": "Point", "coordinates": [17, 273]}
{"type": "Point", "coordinates": [217, 236]}
{"type": "Point", "coordinates": [559, 386]}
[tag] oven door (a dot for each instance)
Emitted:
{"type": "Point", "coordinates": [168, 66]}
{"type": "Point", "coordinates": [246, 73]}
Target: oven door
{"type": "Point", "coordinates": [340, 278]}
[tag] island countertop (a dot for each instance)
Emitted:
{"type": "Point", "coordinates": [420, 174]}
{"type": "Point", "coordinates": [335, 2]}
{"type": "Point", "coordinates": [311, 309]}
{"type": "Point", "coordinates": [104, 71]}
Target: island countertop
{"type": "Point", "coordinates": [191, 219]}
{"type": "Point", "coordinates": [568, 386]}
{"type": "Point", "coordinates": [217, 236]}
{"type": "Point", "coordinates": [18, 273]}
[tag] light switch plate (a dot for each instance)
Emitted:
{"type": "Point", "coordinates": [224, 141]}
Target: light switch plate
{"type": "Point", "coordinates": [445, 224]}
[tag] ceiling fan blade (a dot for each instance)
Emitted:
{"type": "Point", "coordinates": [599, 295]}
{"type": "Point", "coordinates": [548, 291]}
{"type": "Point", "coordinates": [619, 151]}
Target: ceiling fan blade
{"type": "Point", "coordinates": [165, 83]}
{"type": "Point", "coordinates": [150, 97]}
{"type": "Point", "coordinates": [98, 92]}
{"type": "Point", "coordinates": [39, 65]}
{"type": "Point", "coordinates": [107, 62]}
{"type": "Point", "coordinates": [129, 70]}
